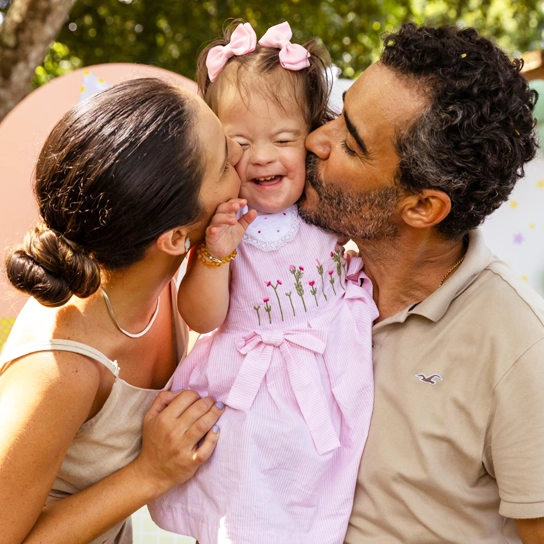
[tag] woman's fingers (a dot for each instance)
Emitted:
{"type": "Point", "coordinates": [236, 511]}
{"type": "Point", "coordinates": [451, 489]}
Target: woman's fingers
{"type": "Point", "coordinates": [206, 447]}
{"type": "Point", "coordinates": [179, 435]}
{"type": "Point", "coordinates": [190, 415]}
{"type": "Point", "coordinates": [199, 423]}
{"type": "Point", "coordinates": [165, 398]}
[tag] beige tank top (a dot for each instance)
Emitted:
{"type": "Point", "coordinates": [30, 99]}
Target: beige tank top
{"type": "Point", "coordinates": [112, 438]}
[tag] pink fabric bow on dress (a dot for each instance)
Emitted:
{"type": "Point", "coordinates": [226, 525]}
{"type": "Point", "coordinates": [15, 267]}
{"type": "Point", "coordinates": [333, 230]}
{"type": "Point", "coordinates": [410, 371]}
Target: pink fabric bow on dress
{"type": "Point", "coordinates": [242, 41]}
{"type": "Point", "coordinates": [292, 55]}
{"type": "Point", "coordinates": [258, 348]}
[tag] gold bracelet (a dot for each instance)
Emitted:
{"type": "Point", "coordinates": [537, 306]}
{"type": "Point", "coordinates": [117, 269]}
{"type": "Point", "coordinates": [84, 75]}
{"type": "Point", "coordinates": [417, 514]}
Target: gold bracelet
{"type": "Point", "coordinates": [209, 260]}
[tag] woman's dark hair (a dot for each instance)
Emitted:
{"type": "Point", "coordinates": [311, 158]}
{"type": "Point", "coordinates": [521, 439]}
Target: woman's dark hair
{"type": "Point", "coordinates": [117, 171]}
{"type": "Point", "coordinates": [478, 131]}
{"type": "Point", "coordinates": [310, 86]}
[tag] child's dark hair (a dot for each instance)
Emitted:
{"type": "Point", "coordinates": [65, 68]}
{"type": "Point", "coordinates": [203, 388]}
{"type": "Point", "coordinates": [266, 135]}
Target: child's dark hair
{"type": "Point", "coordinates": [117, 171]}
{"type": "Point", "coordinates": [310, 86]}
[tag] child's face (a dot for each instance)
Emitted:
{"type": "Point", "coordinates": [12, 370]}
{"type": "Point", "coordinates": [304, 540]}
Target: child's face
{"type": "Point", "coordinates": [272, 167]}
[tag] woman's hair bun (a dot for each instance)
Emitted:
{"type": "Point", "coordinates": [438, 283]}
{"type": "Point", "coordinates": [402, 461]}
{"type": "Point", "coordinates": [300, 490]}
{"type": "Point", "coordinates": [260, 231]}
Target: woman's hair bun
{"type": "Point", "coordinates": [51, 268]}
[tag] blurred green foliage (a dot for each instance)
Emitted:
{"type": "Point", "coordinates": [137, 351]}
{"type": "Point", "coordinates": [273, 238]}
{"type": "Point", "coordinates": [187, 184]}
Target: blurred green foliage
{"type": "Point", "coordinates": [169, 33]}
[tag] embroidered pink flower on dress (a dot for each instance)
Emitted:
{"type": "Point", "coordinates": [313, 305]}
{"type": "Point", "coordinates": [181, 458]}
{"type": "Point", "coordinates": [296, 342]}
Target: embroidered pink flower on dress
{"type": "Point", "coordinates": [268, 283]}
{"type": "Point", "coordinates": [311, 283]}
{"type": "Point", "coordinates": [279, 282]}
{"type": "Point", "coordinates": [301, 268]}
{"type": "Point", "coordinates": [291, 267]}
{"type": "Point", "coordinates": [265, 300]}
{"type": "Point", "coordinates": [330, 272]}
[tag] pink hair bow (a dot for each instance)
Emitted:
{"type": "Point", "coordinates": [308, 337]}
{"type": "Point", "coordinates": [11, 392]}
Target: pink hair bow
{"type": "Point", "coordinates": [292, 55]}
{"type": "Point", "coordinates": [243, 40]}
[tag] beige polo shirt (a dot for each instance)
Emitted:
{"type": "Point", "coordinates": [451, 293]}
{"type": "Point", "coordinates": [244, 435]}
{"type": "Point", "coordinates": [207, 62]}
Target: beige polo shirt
{"type": "Point", "coordinates": [456, 444]}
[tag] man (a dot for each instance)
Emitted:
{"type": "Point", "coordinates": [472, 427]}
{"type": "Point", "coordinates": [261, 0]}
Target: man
{"type": "Point", "coordinates": [432, 139]}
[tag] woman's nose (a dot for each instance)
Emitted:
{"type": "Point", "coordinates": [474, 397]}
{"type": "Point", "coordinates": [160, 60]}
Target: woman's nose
{"type": "Point", "coordinates": [319, 141]}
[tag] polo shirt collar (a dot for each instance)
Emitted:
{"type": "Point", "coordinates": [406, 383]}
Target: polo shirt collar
{"type": "Point", "coordinates": [477, 258]}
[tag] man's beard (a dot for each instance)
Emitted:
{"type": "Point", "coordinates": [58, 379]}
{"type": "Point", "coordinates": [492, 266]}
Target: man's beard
{"type": "Point", "coordinates": [364, 215]}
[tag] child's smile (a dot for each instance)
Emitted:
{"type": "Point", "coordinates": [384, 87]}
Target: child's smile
{"type": "Point", "coordinates": [272, 168]}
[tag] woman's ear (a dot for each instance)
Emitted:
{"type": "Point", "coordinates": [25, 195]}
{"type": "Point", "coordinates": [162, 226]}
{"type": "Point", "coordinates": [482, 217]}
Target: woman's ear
{"type": "Point", "coordinates": [174, 242]}
{"type": "Point", "coordinates": [426, 209]}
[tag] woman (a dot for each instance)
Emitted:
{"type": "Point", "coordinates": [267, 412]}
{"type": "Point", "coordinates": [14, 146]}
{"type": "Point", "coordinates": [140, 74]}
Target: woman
{"type": "Point", "coordinates": [126, 183]}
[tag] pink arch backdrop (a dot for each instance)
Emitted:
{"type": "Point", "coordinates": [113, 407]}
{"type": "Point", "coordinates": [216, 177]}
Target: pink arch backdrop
{"type": "Point", "coordinates": [22, 134]}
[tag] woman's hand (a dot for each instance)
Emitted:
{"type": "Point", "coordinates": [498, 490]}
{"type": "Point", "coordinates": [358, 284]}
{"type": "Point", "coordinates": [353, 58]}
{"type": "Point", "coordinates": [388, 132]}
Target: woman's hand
{"type": "Point", "coordinates": [225, 231]}
{"type": "Point", "coordinates": [179, 435]}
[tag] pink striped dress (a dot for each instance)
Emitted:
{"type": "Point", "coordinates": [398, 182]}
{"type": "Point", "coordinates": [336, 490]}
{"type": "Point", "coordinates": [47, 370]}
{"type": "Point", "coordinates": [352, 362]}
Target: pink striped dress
{"type": "Point", "coordinates": [293, 365]}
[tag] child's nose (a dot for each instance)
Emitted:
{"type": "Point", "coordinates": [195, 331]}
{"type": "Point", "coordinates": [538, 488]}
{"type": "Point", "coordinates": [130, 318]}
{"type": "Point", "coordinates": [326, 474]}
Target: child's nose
{"type": "Point", "coordinates": [263, 154]}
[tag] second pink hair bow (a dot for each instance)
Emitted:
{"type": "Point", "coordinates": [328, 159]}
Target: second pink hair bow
{"type": "Point", "coordinates": [292, 55]}
{"type": "Point", "coordinates": [242, 41]}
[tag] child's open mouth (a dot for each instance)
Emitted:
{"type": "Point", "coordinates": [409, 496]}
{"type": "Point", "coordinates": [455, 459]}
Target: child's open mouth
{"type": "Point", "coordinates": [270, 180]}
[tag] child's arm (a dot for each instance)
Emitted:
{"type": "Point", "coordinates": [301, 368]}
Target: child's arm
{"type": "Point", "coordinates": [203, 295]}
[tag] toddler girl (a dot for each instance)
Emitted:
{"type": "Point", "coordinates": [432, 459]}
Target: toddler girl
{"type": "Point", "coordinates": [291, 359]}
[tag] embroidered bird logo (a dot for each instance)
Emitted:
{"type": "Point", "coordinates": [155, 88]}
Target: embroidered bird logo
{"type": "Point", "coordinates": [429, 379]}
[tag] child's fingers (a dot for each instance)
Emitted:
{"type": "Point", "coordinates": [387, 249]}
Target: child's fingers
{"type": "Point", "coordinates": [214, 233]}
{"type": "Point", "coordinates": [248, 218]}
{"type": "Point", "coordinates": [220, 219]}
{"type": "Point", "coordinates": [232, 205]}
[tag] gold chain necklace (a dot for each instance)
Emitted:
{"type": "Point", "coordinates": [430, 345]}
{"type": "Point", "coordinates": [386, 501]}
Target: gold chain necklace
{"type": "Point", "coordinates": [114, 319]}
{"type": "Point", "coordinates": [451, 270]}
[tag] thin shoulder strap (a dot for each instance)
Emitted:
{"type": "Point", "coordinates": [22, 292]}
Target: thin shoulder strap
{"type": "Point", "coordinates": [61, 345]}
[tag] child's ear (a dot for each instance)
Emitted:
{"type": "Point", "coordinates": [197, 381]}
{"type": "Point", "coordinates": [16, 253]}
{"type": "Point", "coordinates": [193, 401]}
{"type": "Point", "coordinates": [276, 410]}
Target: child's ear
{"type": "Point", "coordinates": [174, 242]}
{"type": "Point", "coordinates": [426, 209]}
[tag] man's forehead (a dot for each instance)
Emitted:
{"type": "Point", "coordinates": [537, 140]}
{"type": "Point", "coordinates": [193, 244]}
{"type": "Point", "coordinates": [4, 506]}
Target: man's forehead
{"type": "Point", "coordinates": [382, 93]}
{"type": "Point", "coordinates": [371, 84]}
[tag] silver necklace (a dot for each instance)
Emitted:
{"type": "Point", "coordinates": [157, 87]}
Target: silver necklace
{"type": "Point", "coordinates": [114, 319]}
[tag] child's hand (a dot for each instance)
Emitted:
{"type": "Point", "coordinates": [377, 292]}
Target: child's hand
{"type": "Point", "coordinates": [225, 232]}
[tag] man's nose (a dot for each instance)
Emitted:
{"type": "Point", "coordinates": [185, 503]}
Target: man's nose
{"type": "Point", "coordinates": [318, 141]}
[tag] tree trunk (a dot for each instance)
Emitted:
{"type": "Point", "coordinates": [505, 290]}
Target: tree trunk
{"type": "Point", "coordinates": [25, 36]}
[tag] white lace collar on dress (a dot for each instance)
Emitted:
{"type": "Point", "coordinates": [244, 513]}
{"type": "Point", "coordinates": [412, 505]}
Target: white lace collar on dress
{"type": "Point", "coordinates": [270, 231]}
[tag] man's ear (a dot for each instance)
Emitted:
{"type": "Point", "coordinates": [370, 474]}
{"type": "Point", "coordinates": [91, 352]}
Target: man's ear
{"type": "Point", "coordinates": [173, 242]}
{"type": "Point", "coordinates": [426, 209]}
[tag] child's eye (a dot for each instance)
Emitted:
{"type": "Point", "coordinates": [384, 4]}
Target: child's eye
{"type": "Point", "coordinates": [283, 142]}
{"type": "Point", "coordinates": [347, 149]}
